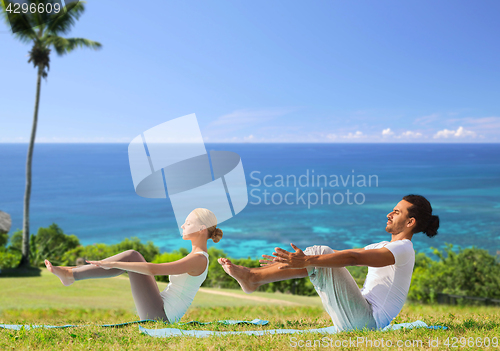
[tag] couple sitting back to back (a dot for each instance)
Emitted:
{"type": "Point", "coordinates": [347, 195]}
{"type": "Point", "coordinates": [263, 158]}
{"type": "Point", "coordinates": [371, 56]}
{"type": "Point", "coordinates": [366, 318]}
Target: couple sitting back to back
{"type": "Point", "coordinates": [374, 306]}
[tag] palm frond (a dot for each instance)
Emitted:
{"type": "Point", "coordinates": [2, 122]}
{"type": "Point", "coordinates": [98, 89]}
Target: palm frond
{"type": "Point", "coordinates": [43, 29]}
{"type": "Point", "coordinates": [44, 19]}
{"type": "Point", "coordinates": [21, 24]}
{"type": "Point", "coordinates": [62, 23]}
{"type": "Point", "coordinates": [66, 45]}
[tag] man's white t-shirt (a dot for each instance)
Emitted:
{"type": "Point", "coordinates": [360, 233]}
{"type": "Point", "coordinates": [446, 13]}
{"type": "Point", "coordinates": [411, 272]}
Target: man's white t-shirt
{"type": "Point", "coordinates": [386, 288]}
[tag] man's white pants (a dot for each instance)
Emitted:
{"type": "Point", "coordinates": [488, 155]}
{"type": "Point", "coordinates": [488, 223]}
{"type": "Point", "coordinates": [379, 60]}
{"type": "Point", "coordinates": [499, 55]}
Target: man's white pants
{"type": "Point", "coordinates": [340, 294]}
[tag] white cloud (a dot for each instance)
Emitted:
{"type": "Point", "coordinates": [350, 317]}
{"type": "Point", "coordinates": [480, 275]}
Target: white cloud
{"type": "Point", "coordinates": [356, 135]}
{"type": "Point", "coordinates": [410, 134]}
{"type": "Point", "coordinates": [459, 133]}
{"type": "Point", "coordinates": [445, 133]}
{"type": "Point", "coordinates": [387, 132]}
{"type": "Point", "coordinates": [484, 126]}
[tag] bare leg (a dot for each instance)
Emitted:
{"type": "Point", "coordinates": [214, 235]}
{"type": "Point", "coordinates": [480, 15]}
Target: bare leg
{"type": "Point", "coordinates": [147, 298]}
{"type": "Point", "coordinates": [68, 275]}
{"type": "Point", "coordinates": [63, 273]}
{"type": "Point", "coordinates": [251, 278]}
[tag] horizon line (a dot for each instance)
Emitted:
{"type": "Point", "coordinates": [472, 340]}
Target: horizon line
{"type": "Point", "coordinates": [274, 142]}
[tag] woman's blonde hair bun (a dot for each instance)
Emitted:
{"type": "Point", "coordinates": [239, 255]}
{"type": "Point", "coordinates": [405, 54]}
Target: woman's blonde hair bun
{"type": "Point", "coordinates": [208, 219]}
{"type": "Point", "coordinates": [217, 235]}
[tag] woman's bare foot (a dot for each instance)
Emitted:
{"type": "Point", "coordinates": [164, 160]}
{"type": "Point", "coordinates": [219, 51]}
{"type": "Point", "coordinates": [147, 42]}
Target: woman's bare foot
{"type": "Point", "coordinates": [240, 273]}
{"type": "Point", "coordinates": [63, 273]}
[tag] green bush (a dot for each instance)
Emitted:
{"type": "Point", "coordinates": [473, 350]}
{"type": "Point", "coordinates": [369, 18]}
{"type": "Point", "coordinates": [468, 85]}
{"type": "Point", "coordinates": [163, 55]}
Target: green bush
{"type": "Point", "coordinates": [9, 259]}
{"type": "Point", "coordinates": [4, 239]}
{"type": "Point", "coordinates": [16, 241]}
{"type": "Point", "coordinates": [49, 243]}
{"type": "Point", "coordinates": [469, 272]}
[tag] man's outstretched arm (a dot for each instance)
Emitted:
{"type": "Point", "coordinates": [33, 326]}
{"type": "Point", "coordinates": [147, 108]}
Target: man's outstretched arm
{"type": "Point", "coordinates": [372, 258]}
{"type": "Point", "coordinates": [343, 258]}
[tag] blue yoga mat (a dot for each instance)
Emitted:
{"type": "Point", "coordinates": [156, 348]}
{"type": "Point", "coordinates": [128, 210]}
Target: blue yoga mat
{"type": "Point", "coordinates": [229, 322]}
{"type": "Point", "coordinates": [32, 326]}
{"type": "Point", "coordinates": [168, 332]}
{"type": "Point", "coordinates": [28, 326]}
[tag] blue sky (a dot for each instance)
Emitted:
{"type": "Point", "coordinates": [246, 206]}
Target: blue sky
{"type": "Point", "coordinates": [267, 71]}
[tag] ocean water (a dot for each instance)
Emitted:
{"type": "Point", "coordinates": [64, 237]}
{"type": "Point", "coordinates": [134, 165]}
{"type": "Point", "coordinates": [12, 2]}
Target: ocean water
{"type": "Point", "coordinates": [87, 190]}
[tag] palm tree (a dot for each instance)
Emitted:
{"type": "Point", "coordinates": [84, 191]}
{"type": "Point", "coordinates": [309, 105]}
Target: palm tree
{"type": "Point", "coordinates": [42, 31]}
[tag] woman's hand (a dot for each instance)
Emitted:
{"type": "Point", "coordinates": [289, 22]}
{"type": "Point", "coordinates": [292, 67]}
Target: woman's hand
{"type": "Point", "coordinates": [103, 264]}
{"type": "Point", "coordinates": [269, 260]}
{"type": "Point", "coordinates": [291, 260]}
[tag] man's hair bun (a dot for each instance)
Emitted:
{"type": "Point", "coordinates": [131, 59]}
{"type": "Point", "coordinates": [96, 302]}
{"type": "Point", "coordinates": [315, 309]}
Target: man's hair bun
{"type": "Point", "coordinates": [421, 210]}
{"type": "Point", "coordinates": [432, 227]}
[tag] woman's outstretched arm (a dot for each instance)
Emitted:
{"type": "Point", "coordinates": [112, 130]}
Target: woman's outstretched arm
{"type": "Point", "coordinates": [192, 264]}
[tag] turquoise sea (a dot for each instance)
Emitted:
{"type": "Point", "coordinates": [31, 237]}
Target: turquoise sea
{"type": "Point", "coordinates": [87, 190]}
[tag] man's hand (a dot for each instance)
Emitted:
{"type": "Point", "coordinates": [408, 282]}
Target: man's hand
{"type": "Point", "coordinates": [291, 260]}
{"type": "Point", "coordinates": [102, 264]}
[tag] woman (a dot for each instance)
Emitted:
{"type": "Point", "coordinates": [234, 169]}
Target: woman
{"type": "Point", "coordinates": [186, 275]}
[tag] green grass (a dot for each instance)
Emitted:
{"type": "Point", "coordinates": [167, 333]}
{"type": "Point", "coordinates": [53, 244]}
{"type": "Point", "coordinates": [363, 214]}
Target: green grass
{"type": "Point", "coordinates": [46, 291]}
{"type": "Point", "coordinates": [43, 300]}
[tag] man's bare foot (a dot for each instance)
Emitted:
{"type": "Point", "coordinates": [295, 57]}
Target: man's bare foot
{"type": "Point", "coordinates": [63, 273]}
{"type": "Point", "coordinates": [240, 273]}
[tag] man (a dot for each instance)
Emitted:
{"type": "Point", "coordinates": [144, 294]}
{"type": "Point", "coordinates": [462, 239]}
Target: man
{"type": "Point", "coordinates": [389, 274]}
